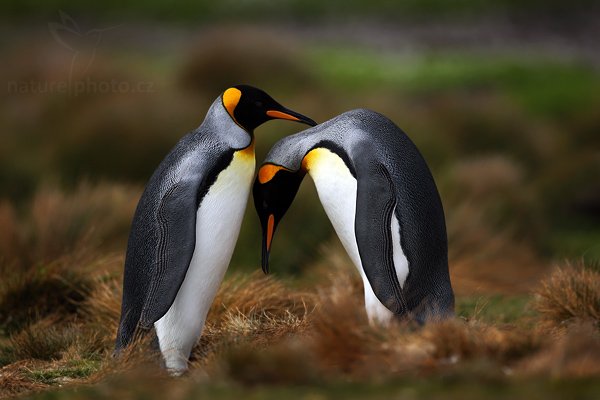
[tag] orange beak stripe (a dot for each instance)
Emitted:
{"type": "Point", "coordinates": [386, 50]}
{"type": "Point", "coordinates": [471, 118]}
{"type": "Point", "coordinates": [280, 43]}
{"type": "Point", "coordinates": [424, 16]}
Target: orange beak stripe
{"type": "Point", "coordinates": [281, 115]}
{"type": "Point", "coordinates": [270, 228]}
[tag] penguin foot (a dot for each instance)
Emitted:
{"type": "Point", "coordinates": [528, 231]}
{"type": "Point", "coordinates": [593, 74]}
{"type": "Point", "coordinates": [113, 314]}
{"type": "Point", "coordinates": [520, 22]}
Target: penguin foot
{"type": "Point", "coordinates": [177, 372]}
{"type": "Point", "coordinates": [175, 363]}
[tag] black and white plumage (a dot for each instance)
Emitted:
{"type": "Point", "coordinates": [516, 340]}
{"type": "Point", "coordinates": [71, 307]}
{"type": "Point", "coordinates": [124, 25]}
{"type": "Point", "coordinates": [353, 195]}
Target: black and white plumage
{"type": "Point", "coordinates": [383, 203]}
{"type": "Point", "coordinates": [187, 222]}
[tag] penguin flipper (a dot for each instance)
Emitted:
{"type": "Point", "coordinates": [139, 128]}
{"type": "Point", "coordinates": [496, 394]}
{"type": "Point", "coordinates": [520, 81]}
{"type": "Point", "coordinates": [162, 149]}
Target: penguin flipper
{"type": "Point", "coordinates": [375, 204]}
{"type": "Point", "coordinates": [176, 217]}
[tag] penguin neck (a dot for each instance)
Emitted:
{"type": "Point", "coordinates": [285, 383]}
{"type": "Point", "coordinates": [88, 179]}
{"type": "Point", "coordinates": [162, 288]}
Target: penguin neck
{"type": "Point", "coordinates": [249, 150]}
{"type": "Point", "coordinates": [219, 123]}
{"type": "Point", "coordinates": [336, 187]}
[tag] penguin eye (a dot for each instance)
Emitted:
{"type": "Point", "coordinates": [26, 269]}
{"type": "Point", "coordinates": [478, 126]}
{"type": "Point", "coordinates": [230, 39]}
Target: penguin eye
{"type": "Point", "coordinates": [258, 103]}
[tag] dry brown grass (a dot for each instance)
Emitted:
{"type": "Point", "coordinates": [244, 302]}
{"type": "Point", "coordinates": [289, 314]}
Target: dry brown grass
{"type": "Point", "coordinates": [570, 294]}
{"type": "Point", "coordinates": [14, 380]}
{"type": "Point", "coordinates": [261, 330]}
{"type": "Point", "coordinates": [343, 343]}
{"type": "Point", "coordinates": [260, 294]}
{"type": "Point", "coordinates": [574, 354]}
{"type": "Point", "coordinates": [35, 294]}
{"type": "Point", "coordinates": [252, 310]}
{"type": "Point", "coordinates": [459, 340]}
{"type": "Point", "coordinates": [44, 340]}
{"type": "Point", "coordinates": [59, 223]}
{"type": "Point", "coordinates": [60, 316]}
{"type": "Point", "coordinates": [341, 336]}
{"type": "Point", "coordinates": [101, 310]}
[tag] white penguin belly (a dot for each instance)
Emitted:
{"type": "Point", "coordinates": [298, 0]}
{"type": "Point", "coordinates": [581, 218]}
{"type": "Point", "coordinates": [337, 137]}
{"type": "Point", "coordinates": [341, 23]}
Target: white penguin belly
{"type": "Point", "coordinates": [337, 191]}
{"type": "Point", "coordinates": [218, 222]}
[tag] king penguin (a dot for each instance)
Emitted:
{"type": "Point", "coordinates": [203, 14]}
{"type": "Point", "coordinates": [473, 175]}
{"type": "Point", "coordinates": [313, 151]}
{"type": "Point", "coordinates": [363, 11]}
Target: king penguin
{"type": "Point", "coordinates": [383, 203]}
{"type": "Point", "coordinates": [187, 222]}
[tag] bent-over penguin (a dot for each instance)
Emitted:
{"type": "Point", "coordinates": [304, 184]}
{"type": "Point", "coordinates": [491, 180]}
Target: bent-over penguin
{"type": "Point", "coordinates": [187, 222]}
{"type": "Point", "coordinates": [383, 203]}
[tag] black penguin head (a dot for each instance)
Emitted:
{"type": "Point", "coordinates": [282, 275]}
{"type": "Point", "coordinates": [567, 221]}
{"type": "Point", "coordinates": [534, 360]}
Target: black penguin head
{"type": "Point", "coordinates": [274, 190]}
{"type": "Point", "coordinates": [251, 107]}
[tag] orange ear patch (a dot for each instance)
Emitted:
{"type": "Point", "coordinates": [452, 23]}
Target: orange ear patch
{"type": "Point", "coordinates": [231, 98]}
{"type": "Point", "coordinates": [268, 171]}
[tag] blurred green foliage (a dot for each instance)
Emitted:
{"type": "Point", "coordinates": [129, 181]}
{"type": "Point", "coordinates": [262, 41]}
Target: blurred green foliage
{"type": "Point", "coordinates": [495, 309]}
{"type": "Point", "coordinates": [544, 87]}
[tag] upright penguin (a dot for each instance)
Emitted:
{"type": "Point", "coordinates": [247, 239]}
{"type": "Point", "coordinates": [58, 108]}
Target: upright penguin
{"type": "Point", "coordinates": [187, 222]}
{"type": "Point", "coordinates": [382, 202]}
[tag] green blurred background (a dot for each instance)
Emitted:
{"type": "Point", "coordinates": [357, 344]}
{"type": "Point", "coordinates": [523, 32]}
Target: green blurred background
{"type": "Point", "coordinates": [501, 97]}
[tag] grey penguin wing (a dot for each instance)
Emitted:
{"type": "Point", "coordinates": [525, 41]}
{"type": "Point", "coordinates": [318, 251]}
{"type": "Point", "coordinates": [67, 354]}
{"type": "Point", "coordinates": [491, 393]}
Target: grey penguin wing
{"type": "Point", "coordinates": [176, 223]}
{"type": "Point", "coordinates": [375, 203]}
{"type": "Point", "coordinates": [160, 248]}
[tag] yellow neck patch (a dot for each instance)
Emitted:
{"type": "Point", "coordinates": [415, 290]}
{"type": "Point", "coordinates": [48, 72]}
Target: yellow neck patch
{"type": "Point", "coordinates": [312, 158]}
{"type": "Point", "coordinates": [231, 98]}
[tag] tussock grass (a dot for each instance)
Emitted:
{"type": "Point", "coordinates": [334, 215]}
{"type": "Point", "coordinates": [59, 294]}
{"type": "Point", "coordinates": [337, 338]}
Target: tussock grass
{"type": "Point", "coordinates": [262, 331]}
{"type": "Point", "coordinates": [570, 294]}
{"type": "Point", "coordinates": [40, 293]}
{"type": "Point", "coordinates": [256, 294]}
{"type": "Point", "coordinates": [458, 340]}
{"type": "Point", "coordinates": [574, 354]}
{"type": "Point", "coordinates": [101, 309]}
{"type": "Point", "coordinates": [58, 318]}
{"type": "Point", "coordinates": [344, 344]}
{"type": "Point", "coordinates": [14, 380]}
{"type": "Point", "coordinates": [252, 310]}
{"type": "Point", "coordinates": [44, 340]}
{"type": "Point", "coordinates": [58, 223]}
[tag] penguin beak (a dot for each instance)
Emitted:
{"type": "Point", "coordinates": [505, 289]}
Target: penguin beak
{"type": "Point", "coordinates": [267, 239]}
{"type": "Point", "coordinates": [290, 115]}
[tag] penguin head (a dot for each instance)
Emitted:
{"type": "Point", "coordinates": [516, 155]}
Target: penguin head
{"type": "Point", "coordinates": [274, 190]}
{"type": "Point", "coordinates": [251, 107]}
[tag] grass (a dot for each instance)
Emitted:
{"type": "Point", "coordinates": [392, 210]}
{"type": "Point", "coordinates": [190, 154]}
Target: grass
{"type": "Point", "coordinates": [571, 293]}
{"type": "Point", "coordinates": [495, 308]}
{"type": "Point", "coordinates": [72, 370]}
{"type": "Point", "coordinates": [267, 333]}
{"type": "Point", "coordinates": [525, 80]}
{"type": "Point", "coordinates": [271, 336]}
